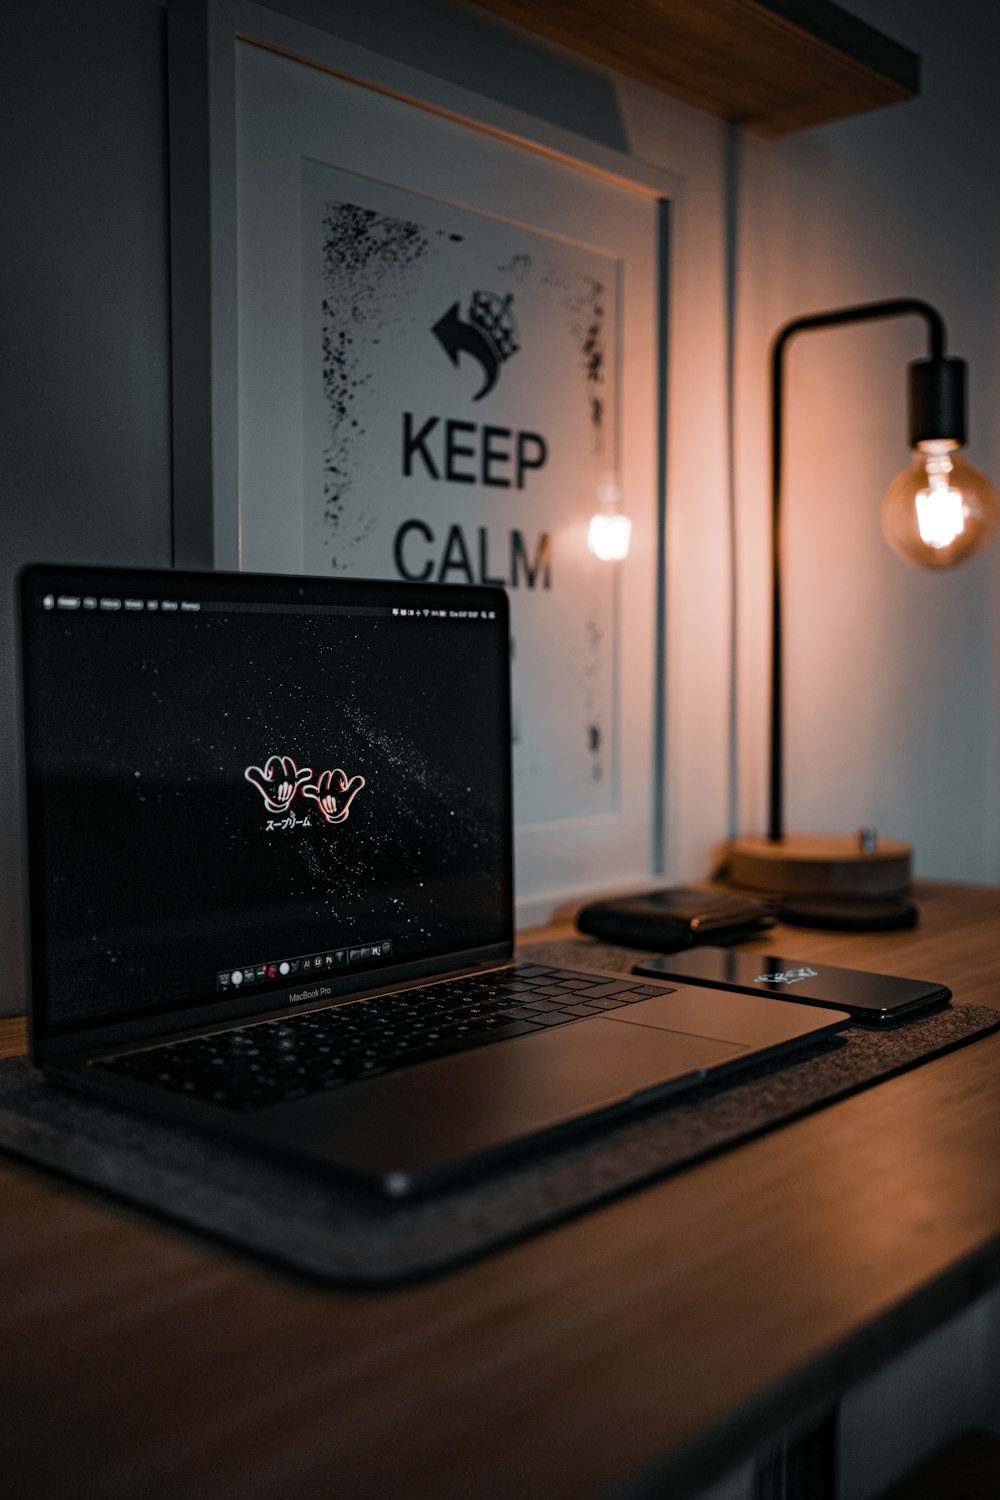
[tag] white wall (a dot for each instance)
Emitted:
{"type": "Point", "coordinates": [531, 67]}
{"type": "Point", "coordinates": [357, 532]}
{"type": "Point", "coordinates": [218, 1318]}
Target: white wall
{"type": "Point", "coordinates": [891, 670]}
{"type": "Point", "coordinates": [891, 675]}
{"type": "Point", "coordinates": [893, 697]}
{"type": "Point", "coordinates": [84, 326]}
{"type": "Point", "coordinates": [698, 595]}
{"type": "Point", "coordinates": [85, 440]}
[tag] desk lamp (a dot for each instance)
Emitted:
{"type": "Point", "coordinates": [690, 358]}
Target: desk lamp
{"type": "Point", "coordinates": [938, 513]}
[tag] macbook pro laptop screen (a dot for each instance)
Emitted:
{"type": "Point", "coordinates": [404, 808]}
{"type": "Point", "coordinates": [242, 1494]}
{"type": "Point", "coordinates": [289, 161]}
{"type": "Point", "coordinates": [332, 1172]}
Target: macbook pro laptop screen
{"type": "Point", "coordinates": [240, 793]}
{"type": "Point", "coordinates": [269, 882]}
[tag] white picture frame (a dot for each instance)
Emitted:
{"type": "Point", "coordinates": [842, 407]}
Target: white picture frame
{"type": "Point", "coordinates": [225, 346]}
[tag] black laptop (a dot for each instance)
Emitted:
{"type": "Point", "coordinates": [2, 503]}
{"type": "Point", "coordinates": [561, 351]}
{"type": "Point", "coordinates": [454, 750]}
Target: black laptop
{"type": "Point", "coordinates": [269, 852]}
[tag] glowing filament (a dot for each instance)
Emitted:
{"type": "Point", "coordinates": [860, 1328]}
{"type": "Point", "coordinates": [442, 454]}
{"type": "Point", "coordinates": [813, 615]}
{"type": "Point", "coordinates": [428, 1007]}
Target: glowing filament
{"type": "Point", "coordinates": [940, 513]}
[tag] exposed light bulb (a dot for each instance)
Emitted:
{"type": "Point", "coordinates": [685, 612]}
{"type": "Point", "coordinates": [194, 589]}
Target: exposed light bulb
{"type": "Point", "coordinates": [608, 535]}
{"type": "Point", "coordinates": [941, 510]}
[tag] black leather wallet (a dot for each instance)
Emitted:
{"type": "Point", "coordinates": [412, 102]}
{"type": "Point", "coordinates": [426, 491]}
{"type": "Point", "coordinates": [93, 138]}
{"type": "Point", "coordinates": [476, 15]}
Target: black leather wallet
{"type": "Point", "coordinates": [675, 917]}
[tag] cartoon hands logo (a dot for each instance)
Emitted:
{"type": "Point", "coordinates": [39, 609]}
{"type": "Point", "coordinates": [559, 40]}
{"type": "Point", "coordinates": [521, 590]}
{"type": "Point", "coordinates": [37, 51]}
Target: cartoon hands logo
{"type": "Point", "coordinates": [790, 976]}
{"type": "Point", "coordinates": [279, 779]}
{"type": "Point", "coordinates": [330, 786]}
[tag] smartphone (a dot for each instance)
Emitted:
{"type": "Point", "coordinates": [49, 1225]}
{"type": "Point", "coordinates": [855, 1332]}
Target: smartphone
{"type": "Point", "coordinates": [866, 997]}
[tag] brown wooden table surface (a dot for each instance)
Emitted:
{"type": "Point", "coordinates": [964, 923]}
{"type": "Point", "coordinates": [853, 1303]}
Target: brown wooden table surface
{"type": "Point", "coordinates": [673, 1331]}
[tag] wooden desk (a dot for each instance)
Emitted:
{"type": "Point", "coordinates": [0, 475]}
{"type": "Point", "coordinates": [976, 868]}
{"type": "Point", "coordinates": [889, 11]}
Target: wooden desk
{"type": "Point", "coordinates": [673, 1331]}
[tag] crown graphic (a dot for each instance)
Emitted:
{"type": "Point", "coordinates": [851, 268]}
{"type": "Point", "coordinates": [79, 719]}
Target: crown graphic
{"type": "Point", "coordinates": [491, 314]}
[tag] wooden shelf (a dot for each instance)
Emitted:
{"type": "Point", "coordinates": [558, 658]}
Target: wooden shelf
{"type": "Point", "coordinates": [773, 66]}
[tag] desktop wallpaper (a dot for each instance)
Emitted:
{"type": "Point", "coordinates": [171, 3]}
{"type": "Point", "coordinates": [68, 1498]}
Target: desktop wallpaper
{"type": "Point", "coordinates": [213, 791]}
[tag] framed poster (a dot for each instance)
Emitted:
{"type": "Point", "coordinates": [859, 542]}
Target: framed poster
{"type": "Point", "coordinates": [435, 345]}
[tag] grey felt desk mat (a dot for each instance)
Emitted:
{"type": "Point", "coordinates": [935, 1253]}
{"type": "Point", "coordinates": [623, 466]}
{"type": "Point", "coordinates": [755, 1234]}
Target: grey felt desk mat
{"type": "Point", "coordinates": [326, 1229]}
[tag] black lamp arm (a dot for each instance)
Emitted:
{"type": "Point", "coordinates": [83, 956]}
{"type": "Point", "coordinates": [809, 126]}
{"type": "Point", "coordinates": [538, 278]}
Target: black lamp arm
{"type": "Point", "coordinates": [937, 386]}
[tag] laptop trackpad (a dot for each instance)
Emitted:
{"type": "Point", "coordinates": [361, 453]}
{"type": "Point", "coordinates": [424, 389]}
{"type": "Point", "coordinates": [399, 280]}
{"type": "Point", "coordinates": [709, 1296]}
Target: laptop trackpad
{"type": "Point", "coordinates": [404, 1125]}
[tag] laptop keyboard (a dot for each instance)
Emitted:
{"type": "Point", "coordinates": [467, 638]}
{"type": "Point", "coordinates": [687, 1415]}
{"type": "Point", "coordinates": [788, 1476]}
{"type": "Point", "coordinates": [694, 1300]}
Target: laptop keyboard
{"type": "Point", "coordinates": [272, 1062]}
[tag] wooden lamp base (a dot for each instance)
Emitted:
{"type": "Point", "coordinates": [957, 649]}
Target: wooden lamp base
{"type": "Point", "coordinates": [820, 865]}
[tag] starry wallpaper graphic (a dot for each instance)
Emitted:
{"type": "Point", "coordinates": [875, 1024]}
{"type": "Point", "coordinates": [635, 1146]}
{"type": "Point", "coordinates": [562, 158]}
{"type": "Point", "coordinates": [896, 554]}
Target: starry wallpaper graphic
{"type": "Point", "coordinates": [165, 863]}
